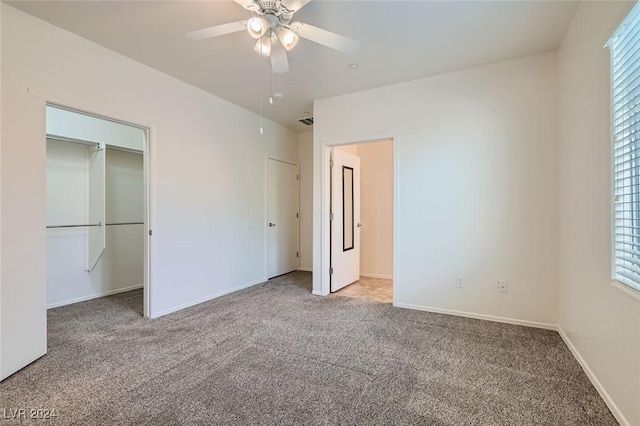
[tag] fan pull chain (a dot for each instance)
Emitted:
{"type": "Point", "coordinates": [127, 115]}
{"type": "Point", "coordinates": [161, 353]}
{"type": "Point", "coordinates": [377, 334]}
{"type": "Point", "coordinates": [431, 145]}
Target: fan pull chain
{"type": "Point", "coordinates": [261, 90]}
{"type": "Point", "coordinates": [271, 87]}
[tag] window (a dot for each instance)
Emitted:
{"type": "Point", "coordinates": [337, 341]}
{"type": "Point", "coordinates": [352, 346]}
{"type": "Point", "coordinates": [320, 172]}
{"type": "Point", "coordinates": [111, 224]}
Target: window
{"type": "Point", "coordinates": [625, 90]}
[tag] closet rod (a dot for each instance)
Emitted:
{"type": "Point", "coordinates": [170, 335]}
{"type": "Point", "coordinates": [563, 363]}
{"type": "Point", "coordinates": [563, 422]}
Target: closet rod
{"type": "Point", "coordinates": [125, 223]}
{"type": "Point", "coordinates": [75, 226]}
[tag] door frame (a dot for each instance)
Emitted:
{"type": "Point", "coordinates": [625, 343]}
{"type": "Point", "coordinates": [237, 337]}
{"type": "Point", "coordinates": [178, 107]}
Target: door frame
{"type": "Point", "coordinates": [268, 157]}
{"type": "Point", "coordinates": [148, 188]}
{"type": "Point", "coordinates": [321, 265]}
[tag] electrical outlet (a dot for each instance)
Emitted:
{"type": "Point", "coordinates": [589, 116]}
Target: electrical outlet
{"type": "Point", "coordinates": [503, 286]}
{"type": "Point", "coordinates": [235, 266]}
{"type": "Point", "coordinates": [460, 281]}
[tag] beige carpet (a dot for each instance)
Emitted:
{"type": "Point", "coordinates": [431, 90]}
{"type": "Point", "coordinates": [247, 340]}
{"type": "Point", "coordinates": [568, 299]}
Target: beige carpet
{"type": "Point", "coordinates": [367, 288]}
{"type": "Point", "coordinates": [276, 355]}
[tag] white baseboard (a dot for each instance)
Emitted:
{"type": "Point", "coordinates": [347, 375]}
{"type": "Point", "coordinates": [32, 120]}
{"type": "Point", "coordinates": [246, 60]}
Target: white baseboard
{"type": "Point", "coordinates": [594, 379]}
{"type": "Point", "coordinates": [93, 296]}
{"type": "Point", "coordinates": [384, 277]}
{"type": "Point", "coordinates": [317, 293]}
{"type": "Point", "coordinates": [479, 316]}
{"type": "Point", "coordinates": [305, 269]}
{"type": "Point", "coordinates": [205, 299]}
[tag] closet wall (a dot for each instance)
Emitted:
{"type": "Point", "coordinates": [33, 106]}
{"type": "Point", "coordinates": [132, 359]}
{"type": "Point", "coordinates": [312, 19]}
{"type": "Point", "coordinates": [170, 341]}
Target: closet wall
{"type": "Point", "coordinates": [124, 253]}
{"type": "Point", "coordinates": [120, 267]}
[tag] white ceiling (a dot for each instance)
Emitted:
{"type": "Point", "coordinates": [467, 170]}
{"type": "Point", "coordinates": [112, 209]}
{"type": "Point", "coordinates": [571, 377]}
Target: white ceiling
{"type": "Point", "coordinates": [402, 41]}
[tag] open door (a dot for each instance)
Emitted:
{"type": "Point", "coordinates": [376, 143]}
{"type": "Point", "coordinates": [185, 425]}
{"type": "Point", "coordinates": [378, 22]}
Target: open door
{"type": "Point", "coordinates": [345, 222]}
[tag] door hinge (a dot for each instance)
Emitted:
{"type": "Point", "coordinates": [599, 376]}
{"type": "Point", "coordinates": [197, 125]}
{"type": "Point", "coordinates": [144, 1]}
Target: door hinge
{"type": "Point", "coordinates": [297, 215]}
{"type": "Point", "coordinates": [150, 232]}
{"type": "Point", "coordinates": [330, 271]}
{"type": "Point", "coordinates": [297, 177]}
{"type": "Point", "coordinates": [330, 216]}
{"type": "Point", "coordinates": [330, 163]}
{"type": "Point", "coordinates": [297, 254]}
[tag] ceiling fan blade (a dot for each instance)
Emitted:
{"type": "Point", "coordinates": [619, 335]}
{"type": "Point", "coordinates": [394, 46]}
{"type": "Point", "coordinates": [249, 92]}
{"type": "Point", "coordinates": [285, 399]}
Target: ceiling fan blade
{"type": "Point", "coordinates": [294, 5]}
{"type": "Point", "coordinates": [279, 61]}
{"type": "Point", "coordinates": [326, 38]}
{"type": "Point", "coordinates": [248, 4]}
{"type": "Point", "coordinates": [218, 30]}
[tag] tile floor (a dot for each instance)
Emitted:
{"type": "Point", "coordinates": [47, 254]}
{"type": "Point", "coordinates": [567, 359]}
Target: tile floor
{"type": "Point", "coordinates": [378, 289]}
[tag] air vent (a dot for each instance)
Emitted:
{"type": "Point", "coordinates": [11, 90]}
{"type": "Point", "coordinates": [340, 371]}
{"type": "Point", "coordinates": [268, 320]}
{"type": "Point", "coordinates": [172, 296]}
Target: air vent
{"type": "Point", "coordinates": [308, 121]}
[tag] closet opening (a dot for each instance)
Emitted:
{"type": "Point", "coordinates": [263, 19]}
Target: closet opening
{"type": "Point", "coordinates": [97, 227]}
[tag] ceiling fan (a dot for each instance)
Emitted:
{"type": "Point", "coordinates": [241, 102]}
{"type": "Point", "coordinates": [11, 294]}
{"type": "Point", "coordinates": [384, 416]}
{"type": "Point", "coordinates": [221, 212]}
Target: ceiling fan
{"type": "Point", "coordinates": [271, 26]}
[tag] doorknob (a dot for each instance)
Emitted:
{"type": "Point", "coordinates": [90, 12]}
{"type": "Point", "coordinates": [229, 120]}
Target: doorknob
{"type": "Point", "coordinates": [271, 224]}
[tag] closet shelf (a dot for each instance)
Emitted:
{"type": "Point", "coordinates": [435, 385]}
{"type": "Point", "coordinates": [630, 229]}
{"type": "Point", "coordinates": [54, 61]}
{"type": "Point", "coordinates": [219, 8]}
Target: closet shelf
{"type": "Point", "coordinates": [95, 224]}
{"type": "Point", "coordinates": [75, 226]}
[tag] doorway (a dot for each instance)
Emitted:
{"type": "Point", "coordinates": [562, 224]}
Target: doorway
{"type": "Point", "coordinates": [282, 218]}
{"type": "Point", "coordinates": [97, 227]}
{"type": "Point", "coordinates": [361, 220]}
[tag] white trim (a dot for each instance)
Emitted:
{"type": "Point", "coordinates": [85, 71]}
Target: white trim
{"type": "Point", "coordinates": [305, 269]}
{"type": "Point", "coordinates": [325, 222]}
{"type": "Point", "coordinates": [149, 166]}
{"type": "Point", "coordinates": [382, 277]}
{"type": "Point", "coordinates": [266, 202]}
{"type": "Point", "coordinates": [626, 289]}
{"type": "Point", "coordinates": [264, 219]}
{"type": "Point", "coordinates": [396, 224]}
{"type": "Point", "coordinates": [149, 188]}
{"type": "Point", "coordinates": [207, 298]}
{"type": "Point", "coordinates": [594, 379]}
{"type": "Point", "coordinates": [94, 296]}
{"type": "Point", "coordinates": [323, 274]}
{"type": "Point", "coordinates": [478, 316]}
{"type": "Point", "coordinates": [317, 293]}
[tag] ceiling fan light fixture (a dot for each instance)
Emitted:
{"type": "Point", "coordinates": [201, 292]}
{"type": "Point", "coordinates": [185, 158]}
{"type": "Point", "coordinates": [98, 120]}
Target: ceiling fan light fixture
{"type": "Point", "coordinates": [263, 46]}
{"type": "Point", "coordinates": [257, 27]}
{"type": "Point", "coordinates": [288, 38]}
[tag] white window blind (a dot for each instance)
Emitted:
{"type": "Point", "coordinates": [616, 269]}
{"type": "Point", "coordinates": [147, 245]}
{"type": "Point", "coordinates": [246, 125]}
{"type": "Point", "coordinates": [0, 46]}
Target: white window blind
{"type": "Point", "coordinates": [625, 87]}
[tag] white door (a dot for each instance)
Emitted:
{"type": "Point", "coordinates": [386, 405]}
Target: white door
{"type": "Point", "coordinates": [345, 225]}
{"type": "Point", "coordinates": [282, 218]}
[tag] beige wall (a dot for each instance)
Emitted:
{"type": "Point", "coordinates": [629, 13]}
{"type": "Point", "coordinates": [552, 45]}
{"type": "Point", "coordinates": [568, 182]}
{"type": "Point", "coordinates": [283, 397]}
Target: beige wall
{"type": "Point", "coordinates": [207, 159]}
{"type": "Point", "coordinates": [376, 209]}
{"type": "Point", "coordinates": [305, 141]}
{"type": "Point", "coordinates": [601, 322]}
{"type": "Point", "coordinates": [349, 149]}
{"type": "Point", "coordinates": [477, 185]}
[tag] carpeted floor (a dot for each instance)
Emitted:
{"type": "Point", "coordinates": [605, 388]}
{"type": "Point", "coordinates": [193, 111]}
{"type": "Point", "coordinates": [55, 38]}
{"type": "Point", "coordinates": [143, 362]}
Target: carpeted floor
{"type": "Point", "coordinates": [275, 354]}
